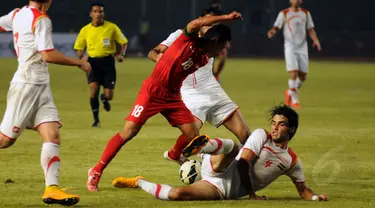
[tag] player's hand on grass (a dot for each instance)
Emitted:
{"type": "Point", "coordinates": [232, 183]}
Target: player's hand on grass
{"type": "Point", "coordinates": [256, 197]}
{"type": "Point", "coordinates": [85, 66]}
{"type": "Point", "coordinates": [159, 57]}
{"type": "Point", "coordinates": [323, 197]}
{"type": "Point", "coordinates": [317, 45]}
{"type": "Point", "coordinates": [234, 16]}
{"type": "Point", "coordinates": [119, 58]}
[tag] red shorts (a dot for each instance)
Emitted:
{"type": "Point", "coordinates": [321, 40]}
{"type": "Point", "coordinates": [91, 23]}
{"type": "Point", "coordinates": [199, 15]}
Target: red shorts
{"type": "Point", "coordinates": [153, 99]}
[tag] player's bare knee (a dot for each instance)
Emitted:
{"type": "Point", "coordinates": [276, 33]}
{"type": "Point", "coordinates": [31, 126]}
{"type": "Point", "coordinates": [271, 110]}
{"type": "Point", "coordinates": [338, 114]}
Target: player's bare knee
{"type": "Point", "coordinates": [52, 137]}
{"type": "Point", "coordinates": [179, 194]}
{"type": "Point", "coordinates": [129, 131]}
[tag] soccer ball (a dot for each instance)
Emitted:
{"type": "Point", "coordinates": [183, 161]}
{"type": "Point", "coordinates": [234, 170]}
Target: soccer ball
{"type": "Point", "coordinates": [190, 172]}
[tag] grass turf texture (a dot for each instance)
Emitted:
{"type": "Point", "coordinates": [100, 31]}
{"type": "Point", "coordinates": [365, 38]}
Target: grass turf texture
{"type": "Point", "coordinates": [334, 140]}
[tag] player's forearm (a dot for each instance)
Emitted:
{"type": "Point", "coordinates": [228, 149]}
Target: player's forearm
{"type": "Point", "coordinates": [305, 192]}
{"type": "Point", "coordinates": [313, 35]}
{"type": "Point", "coordinates": [308, 194]}
{"type": "Point", "coordinates": [123, 49]}
{"type": "Point", "coordinates": [243, 169]}
{"type": "Point", "coordinates": [220, 66]}
{"type": "Point", "coordinates": [196, 24]}
{"type": "Point", "coordinates": [56, 57]}
{"type": "Point", "coordinates": [79, 53]}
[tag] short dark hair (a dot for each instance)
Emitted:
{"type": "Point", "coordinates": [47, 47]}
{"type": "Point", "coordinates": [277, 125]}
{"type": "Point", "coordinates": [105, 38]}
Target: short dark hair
{"type": "Point", "coordinates": [213, 10]}
{"type": "Point", "coordinates": [220, 32]}
{"type": "Point", "coordinates": [289, 113]}
{"type": "Point", "coordinates": [96, 4]}
{"type": "Point", "coordinates": [40, 1]}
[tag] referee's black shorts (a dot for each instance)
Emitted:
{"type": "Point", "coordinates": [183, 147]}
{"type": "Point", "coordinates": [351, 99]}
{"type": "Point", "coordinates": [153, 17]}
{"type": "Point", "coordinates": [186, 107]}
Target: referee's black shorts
{"type": "Point", "coordinates": [103, 71]}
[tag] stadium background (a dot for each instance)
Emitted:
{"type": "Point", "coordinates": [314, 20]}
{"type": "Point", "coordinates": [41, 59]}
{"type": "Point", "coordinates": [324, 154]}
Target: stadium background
{"type": "Point", "coordinates": [345, 28]}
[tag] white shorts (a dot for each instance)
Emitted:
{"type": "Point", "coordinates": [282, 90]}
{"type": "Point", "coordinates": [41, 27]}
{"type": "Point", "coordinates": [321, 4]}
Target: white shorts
{"type": "Point", "coordinates": [296, 61]}
{"type": "Point", "coordinates": [28, 106]}
{"type": "Point", "coordinates": [211, 104]}
{"type": "Point", "coordinates": [228, 182]}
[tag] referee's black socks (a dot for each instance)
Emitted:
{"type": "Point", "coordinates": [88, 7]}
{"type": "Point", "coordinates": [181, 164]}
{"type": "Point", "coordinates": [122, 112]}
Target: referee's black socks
{"type": "Point", "coordinates": [94, 102]}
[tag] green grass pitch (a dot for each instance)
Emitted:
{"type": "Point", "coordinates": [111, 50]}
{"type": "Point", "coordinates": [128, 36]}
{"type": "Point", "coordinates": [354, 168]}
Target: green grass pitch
{"type": "Point", "coordinates": [334, 141]}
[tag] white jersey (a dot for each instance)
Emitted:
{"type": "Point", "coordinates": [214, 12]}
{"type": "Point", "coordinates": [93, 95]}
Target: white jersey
{"type": "Point", "coordinates": [201, 78]}
{"type": "Point", "coordinates": [32, 32]}
{"type": "Point", "coordinates": [294, 26]}
{"type": "Point", "coordinates": [271, 163]}
{"type": "Point", "coordinates": [203, 94]}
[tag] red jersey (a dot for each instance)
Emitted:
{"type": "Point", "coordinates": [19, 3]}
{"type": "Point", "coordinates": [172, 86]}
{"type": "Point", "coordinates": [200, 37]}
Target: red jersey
{"type": "Point", "coordinates": [180, 60]}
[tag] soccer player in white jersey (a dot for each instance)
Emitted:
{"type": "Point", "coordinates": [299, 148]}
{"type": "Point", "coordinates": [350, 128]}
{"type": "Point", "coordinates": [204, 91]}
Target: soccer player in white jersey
{"type": "Point", "coordinates": [29, 102]}
{"type": "Point", "coordinates": [204, 97]}
{"type": "Point", "coordinates": [295, 21]}
{"type": "Point", "coordinates": [230, 173]}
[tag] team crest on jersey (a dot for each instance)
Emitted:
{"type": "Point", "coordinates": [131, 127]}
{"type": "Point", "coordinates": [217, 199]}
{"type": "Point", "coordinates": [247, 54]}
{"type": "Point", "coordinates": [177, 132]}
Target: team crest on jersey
{"type": "Point", "coordinates": [16, 129]}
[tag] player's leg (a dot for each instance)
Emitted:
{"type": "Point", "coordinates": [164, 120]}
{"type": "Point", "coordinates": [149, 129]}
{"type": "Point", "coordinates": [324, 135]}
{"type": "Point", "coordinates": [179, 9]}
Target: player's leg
{"type": "Point", "coordinates": [200, 190]}
{"type": "Point", "coordinates": [199, 111]}
{"type": "Point", "coordinates": [109, 84]}
{"type": "Point", "coordinates": [303, 62]}
{"type": "Point", "coordinates": [180, 116]}
{"type": "Point", "coordinates": [141, 111]}
{"type": "Point", "coordinates": [50, 161]}
{"type": "Point", "coordinates": [20, 101]}
{"type": "Point", "coordinates": [47, 123]}
{"type": "Point", "coordinates": [236, 124]}
{"type": "Point", "coordinates": [175, 153]}
{"type": "Point", "coordinates": [291, 94]}
{"type": "Point", "coordinates": [94, 102]}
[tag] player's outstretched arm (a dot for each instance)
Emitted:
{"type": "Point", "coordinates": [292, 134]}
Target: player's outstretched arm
{"type": "Point", "coordinates": [56, 57]}
{"type": "Point", "coordinates": [196, 24]}
{"type": "Point", "coordinates": [307, 194]}
{"type": "Point", "coordinates": [315, 39]}
{"type": "Point", "coordinates": [272, 32]}
{"type": "Point", "coordinates": [244, 163]}
{"type": "Point", "coordinates": [156, 53]}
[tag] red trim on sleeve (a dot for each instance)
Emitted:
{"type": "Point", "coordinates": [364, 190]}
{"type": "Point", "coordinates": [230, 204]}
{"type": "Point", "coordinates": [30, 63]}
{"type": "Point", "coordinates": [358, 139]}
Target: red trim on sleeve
{"type": "Point", "coordinates": [46, 50]}
{"type": "Point", "coordinates": [285, 11]}
{"type": "Point", "coordinates": [294, 157]}
{"type": "Point", "coordinates": [37, 16]}
{"type": "Point", "coordinates": [164, 45]}
{"type": "Point", "coordinates": [305, 10]}
{"type": "Point", "coordinates": [244, 148]}
{"type": "Point", "coordinates": [15, 12]}
{"type": "Point", "coordinates": [2, 29]}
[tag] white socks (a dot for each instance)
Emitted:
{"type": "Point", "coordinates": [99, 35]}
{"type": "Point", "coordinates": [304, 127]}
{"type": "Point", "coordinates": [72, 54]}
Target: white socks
{"type": "Point", "coordinates": [218, 146]}
{"type": "Point", "coordinates": [160, 191]}
{"type": "Point", "coordinates": [50, 161]}
{"type": "Point", "coordinates": [293, 90]}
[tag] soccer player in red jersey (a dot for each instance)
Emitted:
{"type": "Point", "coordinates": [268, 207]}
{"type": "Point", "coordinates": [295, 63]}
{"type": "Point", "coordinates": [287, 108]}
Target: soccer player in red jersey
{"type": "Point", "coordinates": [160, 93]}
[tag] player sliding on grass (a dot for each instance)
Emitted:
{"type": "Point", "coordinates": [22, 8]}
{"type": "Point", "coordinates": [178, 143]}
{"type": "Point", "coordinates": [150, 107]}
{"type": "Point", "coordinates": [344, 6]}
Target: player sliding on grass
{"type": "Point", "coordinates": [204, 96]}
{"type": "Point", "coordinates": [160, 93]}
{"type": "Point", "coordinates": [230, 173]}
{"type": "Point", "coordinates": [30, 103]}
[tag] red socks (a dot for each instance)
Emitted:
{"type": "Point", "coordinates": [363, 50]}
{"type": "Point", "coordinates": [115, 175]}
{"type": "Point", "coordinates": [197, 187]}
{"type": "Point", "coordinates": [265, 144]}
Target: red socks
{"type": "Point", "coordinates": [181, 143]}
{"type": "Point", "coordinates": [114, 145]}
